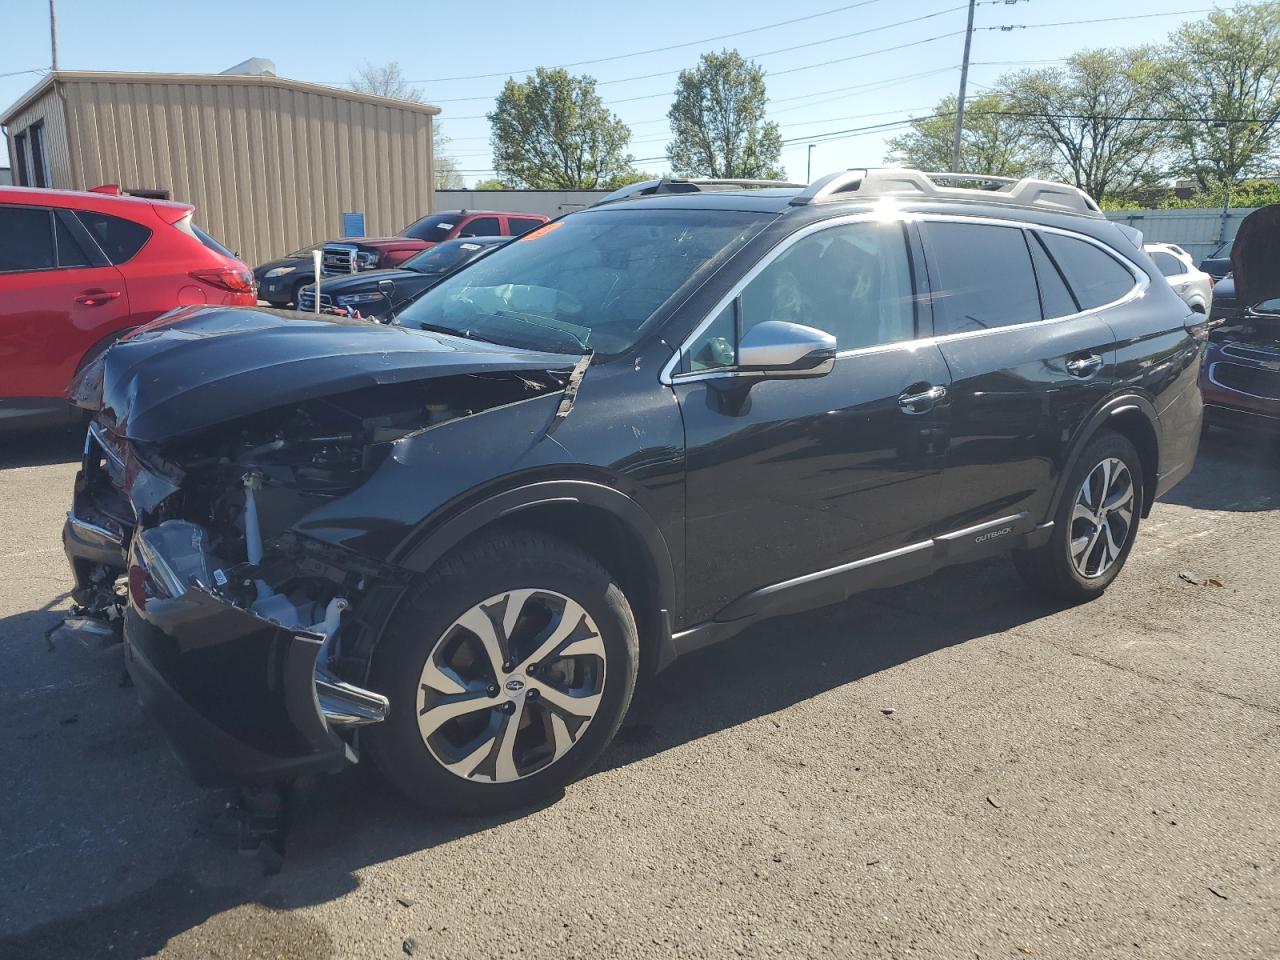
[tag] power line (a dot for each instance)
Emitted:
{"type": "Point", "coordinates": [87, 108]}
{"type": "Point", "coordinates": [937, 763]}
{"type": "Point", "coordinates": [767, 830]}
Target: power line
{"type": "Point", "coordinates": [754, 56]}
{"type": "Point", "coordinates": [674, 46]}
{"type": "Point", "coordinates": [1071, 23]}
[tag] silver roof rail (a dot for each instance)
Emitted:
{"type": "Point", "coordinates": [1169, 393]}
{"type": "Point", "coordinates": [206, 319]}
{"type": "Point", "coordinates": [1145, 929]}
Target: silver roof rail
{"type": "Point", "coordinates": [673, 185]}
{"type": "Point", "coordinates": [859, 184]}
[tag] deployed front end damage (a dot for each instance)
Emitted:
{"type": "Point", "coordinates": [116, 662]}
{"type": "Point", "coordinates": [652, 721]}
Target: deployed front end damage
{"type": "Point", "coordinates": [245, 638]}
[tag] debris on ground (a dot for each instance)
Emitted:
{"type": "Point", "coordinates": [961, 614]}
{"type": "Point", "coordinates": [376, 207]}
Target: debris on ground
{"type": "Point", "coordinates": [1217, 893]}
{"type": "Point", "coordinates": [1198, 581]}
{"type": "Point", "coordinates": [409, 945]}
{"type": "Point", "coordinates": [405, 902]}
{"type": "Point", "coordinates": [994, 802]}
{"type": "Point", "coordinates": [888, 711]}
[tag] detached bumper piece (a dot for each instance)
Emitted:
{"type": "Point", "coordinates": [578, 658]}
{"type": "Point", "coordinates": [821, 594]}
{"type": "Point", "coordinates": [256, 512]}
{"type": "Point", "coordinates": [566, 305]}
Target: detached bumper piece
{"type": "Point", "coordinates": [238, 695]}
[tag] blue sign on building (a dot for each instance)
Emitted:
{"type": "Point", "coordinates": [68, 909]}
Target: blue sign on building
{"type": "Point", "coordinates": [353, 224]}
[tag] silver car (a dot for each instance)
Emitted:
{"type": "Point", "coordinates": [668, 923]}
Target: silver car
{"type": "Point", "coordinates": [1191, 283]}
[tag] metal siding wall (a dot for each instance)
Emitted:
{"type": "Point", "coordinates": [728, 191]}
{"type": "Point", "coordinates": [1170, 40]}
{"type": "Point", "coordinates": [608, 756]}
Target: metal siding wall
{"type": "Point", "coordinates": [550, 203]}
{"type": "Point", "coordinates": [269, 168]}
{"type": "Point", "coordinates": [1196, 230]}
{"type": "Point", "coordinates": [57, 152]}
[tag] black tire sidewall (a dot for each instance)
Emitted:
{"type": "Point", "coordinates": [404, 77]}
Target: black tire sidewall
{"type": "Point", "coordinates": [1105, 446]}
{"type": "Point", "coordinates": [514, 563]}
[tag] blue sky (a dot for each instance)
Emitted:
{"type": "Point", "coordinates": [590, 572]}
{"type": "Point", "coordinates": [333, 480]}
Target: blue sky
{"type": "Point", "coordinates": [323, 41]}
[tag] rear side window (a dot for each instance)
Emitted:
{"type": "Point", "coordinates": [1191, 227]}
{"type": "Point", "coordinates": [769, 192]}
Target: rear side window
{"type": "Point", "coordinates": [1169, 265]}
{"type": "Point", "coordinates": [518, 226]}
{"type": "Point", "coordinates": [481, 227]}
{"type": "Point", "coordinates": [70, 252]}
{"type": "Point", "coordinates": [1055, 297]}
{"type": "Point", "coordinates": [26, 239]}
{"type": "Point", "coordinates": [1095, 277]}
{"type": "Point", "coordinates": [119, 239]}
{"type": "Point", "coordinates": [982, 277]}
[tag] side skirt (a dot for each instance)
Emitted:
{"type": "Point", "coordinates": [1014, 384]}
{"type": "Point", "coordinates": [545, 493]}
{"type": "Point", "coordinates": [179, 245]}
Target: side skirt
{"type": "Point", "coordinates": [913, 562]}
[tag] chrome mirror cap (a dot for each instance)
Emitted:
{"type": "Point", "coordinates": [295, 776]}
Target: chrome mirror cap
{"type": "Point", "coordinates": [787, 349]}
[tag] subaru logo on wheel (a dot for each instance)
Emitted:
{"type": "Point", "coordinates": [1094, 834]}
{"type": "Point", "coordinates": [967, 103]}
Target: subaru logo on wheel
{"type": "Point", "coordinates": [515, 685]}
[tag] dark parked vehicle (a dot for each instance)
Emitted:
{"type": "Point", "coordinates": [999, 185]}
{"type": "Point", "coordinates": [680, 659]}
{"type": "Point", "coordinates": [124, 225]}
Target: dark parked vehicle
{"type": "Point", "coordinates": [1218, 263]}
{"type": "Point", "coordinates": [1241, 372]}
{"type": "Point", "coordinates": [381, 294]}
{"type": "Point", "coordinates": [281, 281]}
{"type": "Point", "coordinates": [626, 435]}
{"type": "Point", "coordinates": [352, 254]}
{"type": "Point", "coordinates": [1225, 305]}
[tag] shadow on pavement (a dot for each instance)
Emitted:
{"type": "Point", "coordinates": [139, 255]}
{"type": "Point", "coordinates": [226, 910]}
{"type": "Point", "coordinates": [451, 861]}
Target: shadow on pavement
{"type": "Point", "coordinates": [1249, 462]}
{"type": "Point", "coordinates": [64, 445]}
{"type": "Point", "coordinates": [355, 820]}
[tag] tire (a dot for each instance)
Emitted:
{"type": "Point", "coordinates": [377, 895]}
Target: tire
{"type": "Point", "coordinates": [434, 657]}
{"type": "Point", "coordinates": [297, 292]}
{"type": "Point", "coordinates": [1055, 568]}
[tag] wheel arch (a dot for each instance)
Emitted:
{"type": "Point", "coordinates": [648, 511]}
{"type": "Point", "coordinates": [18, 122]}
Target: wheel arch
{"type": "Point", "coordinates": [1134, 417]}
{"type": "Point", "coordinates": [598, 519]}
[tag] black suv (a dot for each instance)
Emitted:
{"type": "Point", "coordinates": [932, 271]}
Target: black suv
{"type": "Point", "coordinates": [454, 544]}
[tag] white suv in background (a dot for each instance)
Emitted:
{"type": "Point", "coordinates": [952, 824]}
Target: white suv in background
{"type": "Point", "coordinates": [1191, 283]}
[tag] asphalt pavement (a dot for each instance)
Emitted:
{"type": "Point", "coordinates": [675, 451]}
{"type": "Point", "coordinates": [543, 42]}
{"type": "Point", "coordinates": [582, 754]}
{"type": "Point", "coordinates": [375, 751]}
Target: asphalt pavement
{"type": "Point", "coordinates": [953, 769]}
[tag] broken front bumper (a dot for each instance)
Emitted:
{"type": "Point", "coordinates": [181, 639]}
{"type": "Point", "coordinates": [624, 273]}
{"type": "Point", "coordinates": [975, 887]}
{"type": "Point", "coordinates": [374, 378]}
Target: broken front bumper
{"type": "Point", "coordinates": [238, 695]}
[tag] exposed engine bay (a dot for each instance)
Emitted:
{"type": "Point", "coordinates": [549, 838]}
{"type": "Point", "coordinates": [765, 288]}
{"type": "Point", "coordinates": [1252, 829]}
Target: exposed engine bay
{"type": "Point", "coordinates": [209, 515]}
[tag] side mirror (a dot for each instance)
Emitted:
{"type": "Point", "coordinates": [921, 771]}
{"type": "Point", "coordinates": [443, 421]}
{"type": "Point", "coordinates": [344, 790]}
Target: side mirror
{"type": "Point", "coordinates": [388, 289]}
{"type": "Point", "coordinates": [777, 348]}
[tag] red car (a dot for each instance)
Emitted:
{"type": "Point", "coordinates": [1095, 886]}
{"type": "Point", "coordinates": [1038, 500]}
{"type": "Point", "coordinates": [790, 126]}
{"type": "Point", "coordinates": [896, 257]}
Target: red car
{"type": "Point", "coordinates": [78, 270]}
{"type": "Point", "coordinates": [355, 254]}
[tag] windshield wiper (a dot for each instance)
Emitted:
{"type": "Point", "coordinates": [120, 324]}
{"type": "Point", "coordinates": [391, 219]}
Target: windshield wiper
{"type": "Point", "coordinates": [450, 331]}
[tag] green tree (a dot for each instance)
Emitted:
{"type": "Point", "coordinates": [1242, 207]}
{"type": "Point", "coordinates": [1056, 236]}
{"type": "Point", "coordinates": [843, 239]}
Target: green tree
{"type": "Point", "coordinates": [493, 183]}
{"type": "Point", "coordinates": [1221, 77]}
{"type": "Point", "coordinates": [1088, 119]}
{"type": "Point", "coordinates": [629, 177]}
{"type": "Point", "coordinates": [993, 142]}
{"type": "Point", "coordinates": [387, 80]}
{"type": "Point", "coordinates": [718, 121]}
{"type": "Point", "coordinates": [552, 132]}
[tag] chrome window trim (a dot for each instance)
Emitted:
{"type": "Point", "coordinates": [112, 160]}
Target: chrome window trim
{"type": "Point", "coordinates": [669, 376]}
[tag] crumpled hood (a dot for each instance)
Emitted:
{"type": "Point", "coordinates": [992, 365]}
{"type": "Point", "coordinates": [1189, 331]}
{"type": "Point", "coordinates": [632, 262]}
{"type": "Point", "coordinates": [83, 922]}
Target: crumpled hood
{"type": "Point", "coordinates": [200, 366]}
{"type": "Point", "coordinates": [1255, 256]}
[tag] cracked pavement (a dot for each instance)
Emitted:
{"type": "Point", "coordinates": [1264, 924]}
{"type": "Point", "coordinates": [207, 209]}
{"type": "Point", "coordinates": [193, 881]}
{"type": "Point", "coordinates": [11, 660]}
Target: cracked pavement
{"type": "Point", "coordinates": [948, 769]}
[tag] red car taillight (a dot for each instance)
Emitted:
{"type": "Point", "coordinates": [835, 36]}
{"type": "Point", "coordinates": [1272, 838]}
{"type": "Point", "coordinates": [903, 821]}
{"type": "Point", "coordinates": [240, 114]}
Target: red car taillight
{"type": "Point", "coordinates": [225, 278]}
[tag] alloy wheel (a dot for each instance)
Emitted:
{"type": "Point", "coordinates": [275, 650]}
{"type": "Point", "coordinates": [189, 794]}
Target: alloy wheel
{"type": "Point", "coordinates": [511, 685]}
{"type": "Point", "coordinates": [1102, 518]}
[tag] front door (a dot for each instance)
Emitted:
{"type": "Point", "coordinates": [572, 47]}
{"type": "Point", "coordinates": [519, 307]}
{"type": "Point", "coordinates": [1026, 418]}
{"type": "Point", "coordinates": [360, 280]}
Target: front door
{"type": "Point", "coordinates": [1028, 364]}
{"type": "Point", "coordinates": [792, 477]}
{"type": "Point", "coordinates": [55, 303]}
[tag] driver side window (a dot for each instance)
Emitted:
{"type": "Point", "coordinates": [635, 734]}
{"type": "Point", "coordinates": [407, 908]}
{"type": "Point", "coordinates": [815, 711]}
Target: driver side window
{"type": "Point", "coordinates": [852, 281]}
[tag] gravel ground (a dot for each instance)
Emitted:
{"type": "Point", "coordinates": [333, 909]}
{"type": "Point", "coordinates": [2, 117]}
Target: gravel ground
{"type": "Point", "coordinates": [949, 769]}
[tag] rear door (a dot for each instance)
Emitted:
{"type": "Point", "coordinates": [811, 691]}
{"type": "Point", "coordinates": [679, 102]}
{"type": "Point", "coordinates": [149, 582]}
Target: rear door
{"type": "Point", "coordinates": [1028, 362]}
{"type": "Point", "coordinates": [59, 298]}
{"type": "Point", "coordinates": [481, 227]}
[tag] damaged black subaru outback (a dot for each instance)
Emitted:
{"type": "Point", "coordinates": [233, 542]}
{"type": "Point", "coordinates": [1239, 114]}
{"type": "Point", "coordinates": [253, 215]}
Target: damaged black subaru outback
{"type": "Point", "coordinates": [455, 543]}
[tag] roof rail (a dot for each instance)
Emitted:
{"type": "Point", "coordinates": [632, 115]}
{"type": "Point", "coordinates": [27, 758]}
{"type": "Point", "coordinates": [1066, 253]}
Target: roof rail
{"type": "Point", "coordinates": [894, 181]}
{"type": "Point", "coordinates": [669, 185]}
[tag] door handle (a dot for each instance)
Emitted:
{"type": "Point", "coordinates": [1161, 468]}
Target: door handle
{"type": "Point", "coordinates": [922, 402]}
{"type": "Point", "coordinates": [96, 298]}
{"type": "Point", "coordinates": [1084, 366]}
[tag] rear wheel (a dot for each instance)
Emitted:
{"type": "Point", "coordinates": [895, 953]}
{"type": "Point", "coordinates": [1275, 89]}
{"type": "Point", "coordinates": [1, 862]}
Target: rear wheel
{"type": "Point", "coordinates": [1095, 525]}
{"type": "Point", "coordinates": [509, 672]}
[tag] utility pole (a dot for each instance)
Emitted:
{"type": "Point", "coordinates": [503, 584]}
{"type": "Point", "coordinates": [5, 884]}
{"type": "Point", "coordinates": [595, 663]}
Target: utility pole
{"type": "Point", "coordinates": [964, 79]}
{"type": "Point", "coordinates": [53, 32]}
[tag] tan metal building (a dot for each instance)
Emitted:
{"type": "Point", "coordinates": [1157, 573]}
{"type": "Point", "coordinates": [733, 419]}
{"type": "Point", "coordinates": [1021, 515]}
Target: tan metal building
{"type": "Point", "coordinates": [270, 164]}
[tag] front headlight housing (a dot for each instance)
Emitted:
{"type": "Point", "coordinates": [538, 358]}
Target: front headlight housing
{"type": "Point", "coordinates": [355, 299]}
{"type": "Point", "coordinates": [278, 272]}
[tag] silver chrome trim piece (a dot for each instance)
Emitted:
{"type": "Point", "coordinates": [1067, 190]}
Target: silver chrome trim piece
{"type": "Point", "coordinates": [86, 526]}
{"type": "Point", "coordinates": [842, 568]}
{"type": "Point", "coordinates": [890, 212]}
{"type": "Point", "coordinates": [1244, 393]}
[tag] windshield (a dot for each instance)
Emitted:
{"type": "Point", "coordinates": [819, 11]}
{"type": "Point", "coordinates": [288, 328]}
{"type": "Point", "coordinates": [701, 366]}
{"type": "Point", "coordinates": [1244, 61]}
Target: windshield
{"type": "Point", "coordinates": [433, 228]}
{"type": "Point", "coordinates": [590, 281]}
{"type": "Point", "coordinates": [445, 257]}
{"type": "Point", "coordinates": [304, 251]}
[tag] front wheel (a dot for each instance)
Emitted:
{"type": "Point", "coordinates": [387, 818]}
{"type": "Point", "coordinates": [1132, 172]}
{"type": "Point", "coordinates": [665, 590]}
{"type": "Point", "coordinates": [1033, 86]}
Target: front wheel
{"type": "Point", "coordinates": [1095, 524]}
{"type": "Point", "coordinates": [509, 671]}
